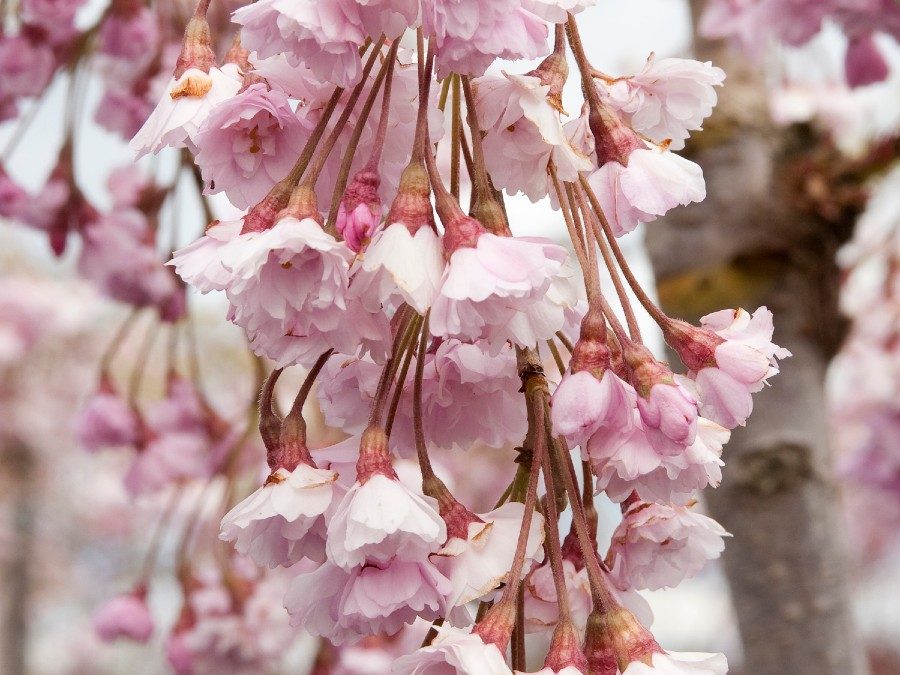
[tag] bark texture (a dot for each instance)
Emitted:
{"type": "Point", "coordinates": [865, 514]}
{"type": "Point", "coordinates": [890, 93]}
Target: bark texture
{"type": "Point", "coordinates": [766, 235]}
{"type": "Point", "coordinates": [18, 461]}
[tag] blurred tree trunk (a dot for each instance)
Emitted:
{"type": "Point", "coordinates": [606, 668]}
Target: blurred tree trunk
{"type": "Point", "coordinates": [766, 235]}
{"type": "Point", "coordinates": [18, 461]}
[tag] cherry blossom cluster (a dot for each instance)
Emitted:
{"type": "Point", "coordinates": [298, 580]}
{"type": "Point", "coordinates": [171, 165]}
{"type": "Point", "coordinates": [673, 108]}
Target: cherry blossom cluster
{"type": "Point", "coordinates": [756, 24]}
{"type": "Point", "coordinates": [865, 376]}
{"type": "Point", "coordinates": [428, 330]}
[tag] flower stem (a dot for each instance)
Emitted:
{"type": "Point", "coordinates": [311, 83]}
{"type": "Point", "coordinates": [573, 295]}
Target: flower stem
{"type": "Point", "coordinates": [406, 333]}
{"type": "Point", "coordinates": [321, 157]}
{"type": "Point", "coordinates": [116, 343]}
{"type": "Point", "coordinates": [308, 381]}
{"type": "Point", "coordinates": [651, 307]}
{"type": "Point", "coordinates": [540, 447]}
{"type": "Point", "coordinates": [591, 216]}
{"type": "Point", "coordinates": [455, 137]}
{"type": "Point", "coordinates": [552, 541]}
{"type": "Point", "coordinates": [386, 74]}
{"type": "Point", "coordinates": [421, 449]}
{"type": "Point", "coordinates": [398, 391]}
{"type": "Point", "coordinates": [137, 375]}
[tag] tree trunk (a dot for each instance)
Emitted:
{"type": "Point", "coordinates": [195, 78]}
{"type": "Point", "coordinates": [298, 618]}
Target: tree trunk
{"type": "Point", "coordinates": [753, 242]}
{"type": "Point", "coordinates": [19, 462]}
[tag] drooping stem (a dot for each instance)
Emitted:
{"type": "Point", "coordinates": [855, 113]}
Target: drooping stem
{"type": "Point", "coordinates": [406, 335]}
{"type": "Point", "coordinates": [584, 66]}
{"type": "Point", "coordinates": [557, 357]}
{"type": "Point", "coordinates": [599, 592]}
{"type": "Point", "coordinates": [152, 554]}
{"type": "Point", "coordinates": [645, 300]}
{"type": "Point", "coordinates": [481, 183]}
{"type": "Point", "coordinates": [575, 235]}
{"type": "Point", "coordinates": [387, 75]}
{"type": "Point", "coordinates": [308, 381]}
{"type": "Point", "coordinates": [331, 140]}
{"type": "Point", "coordinates": [597, 237]}
{"type": "Point", "coordinates": [137, 375]}
{"type": "Point", "coordinates": [385, 116]}
{"type": "Point", "coordinates": [116, 343]}
{"type": "Point", "coordinates": [398, 392]}
{"type": "Point", "coordinates": [517, 648]}
{"type": "Point", "coordinates": [552, 541]}
{"type": "Point", "coordinates": [312, 143]}
{"type": "Point", "coordinates": [193, 353]}
{"type": "Point", "coordinates": [269, 419]}
{"type": "Point", "coordinates": [455, 137]}
{"type": "Point", "coordinates": [425, 64]}
{"type": "Point", "coordinates": [418, 427]}
{"type": "Point", "coordinates": [566, 342]}
{"type": "Point", "coordinates": [540, 447]}
{"type": "Point", "coordinates": [202, 8]}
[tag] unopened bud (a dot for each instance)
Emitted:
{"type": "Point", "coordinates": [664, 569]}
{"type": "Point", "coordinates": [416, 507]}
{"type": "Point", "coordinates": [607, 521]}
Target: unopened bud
{"type": "Point", "coordinates": [360, 210]}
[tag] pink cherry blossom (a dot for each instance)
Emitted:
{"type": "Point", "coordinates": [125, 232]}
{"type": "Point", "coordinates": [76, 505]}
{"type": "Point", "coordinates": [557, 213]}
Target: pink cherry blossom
{"type": "Point", "coordinates": [480, 563]}
{"type": "Point", "coordinates": [582, 404]}
{"type": "Point", "coordinates": [248, 143]}
{"type": "Point", "coordinates": [669, 415]}
{"type": "Point", "coordinates": [343, 605]}
{"type": "Point", "coordinates": [555, 11]}
{"type": "Point", "coordinates": [541, 601]}
{"type": "Point", "coordinates": [56, 17]}
{"type": "Point", "coordinates": [680, 663]}
{"type": "Point", "coordinates": [26, 67]}
{"type": "Point", "coordinates": [165, 460]}
{"type": "Point", "coordinates": [864, 63]}
{"type": "Point", "coordinates": [380, 520]}
{"type": "Point", "coordinates": [359, 212]}
{"type": "Point", "coordinates": [469, 37]}
{"type": "Point", "coordinates": [668, 99]}
{"type": "Point", "coordinates": [127, 185]}
{"type": "Point", "coordinates": [654, 182]}
{"type": "Point", "coordinates": [124, 616]}
{"type": "Point", "coordinates": [282, 522]}
{"type": "Point", "coordinates": [288, 290]}
{"type": "Point", "coordinates": [122, 112]}
{"type": "Point", "coordinates": [453, 650]}
{"type": "Point", "coordinates": [452, 371]}
{"type": "Point", "coordinates": [657, 546]}
{"type": "Point", "coordinates": [743, 363]}
{"type": "Point", "coordinates": [199, 264]}
{"type": "Point", "coordinates": [627, 462]}
{"type": "Point", "coordinates": [185, 105]}
{"type": "Point", "coordinates": [518, 116]}
{"type": "Point", "coordinates": [235, 625]}
{"type": "Point", "coordinates": [399, 266]}
{"type": "Point", "coordinates": [106, 421]}
{"type": "Point", "coordinates": [497, 289]}
{"type": "Point", "coordinates": [119, 258]}
{"type": "Point", "coordinates": [130, 37]}
{"type": "Point", "coordinates": [323, 35]}
{"type": "Point", "coordinates": [13, 197]}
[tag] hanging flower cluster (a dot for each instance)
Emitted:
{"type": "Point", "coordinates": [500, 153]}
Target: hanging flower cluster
{"type": "Point", "coordinates": [865, 377]}
{"type": "Point", "coordinates": [755, 24]}
{"type": "Point", "coordinates": [425, 319]}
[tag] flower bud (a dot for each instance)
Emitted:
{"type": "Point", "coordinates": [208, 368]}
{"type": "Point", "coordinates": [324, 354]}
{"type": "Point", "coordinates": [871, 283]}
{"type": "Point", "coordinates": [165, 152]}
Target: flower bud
{"type": "Point", "coordinates": [360, 210]}
{"type": "Point", "coordinates": [614, 638]}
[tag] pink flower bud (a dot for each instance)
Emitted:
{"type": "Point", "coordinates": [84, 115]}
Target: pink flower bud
{"type": "Point", "coordinates": [125, 616]}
